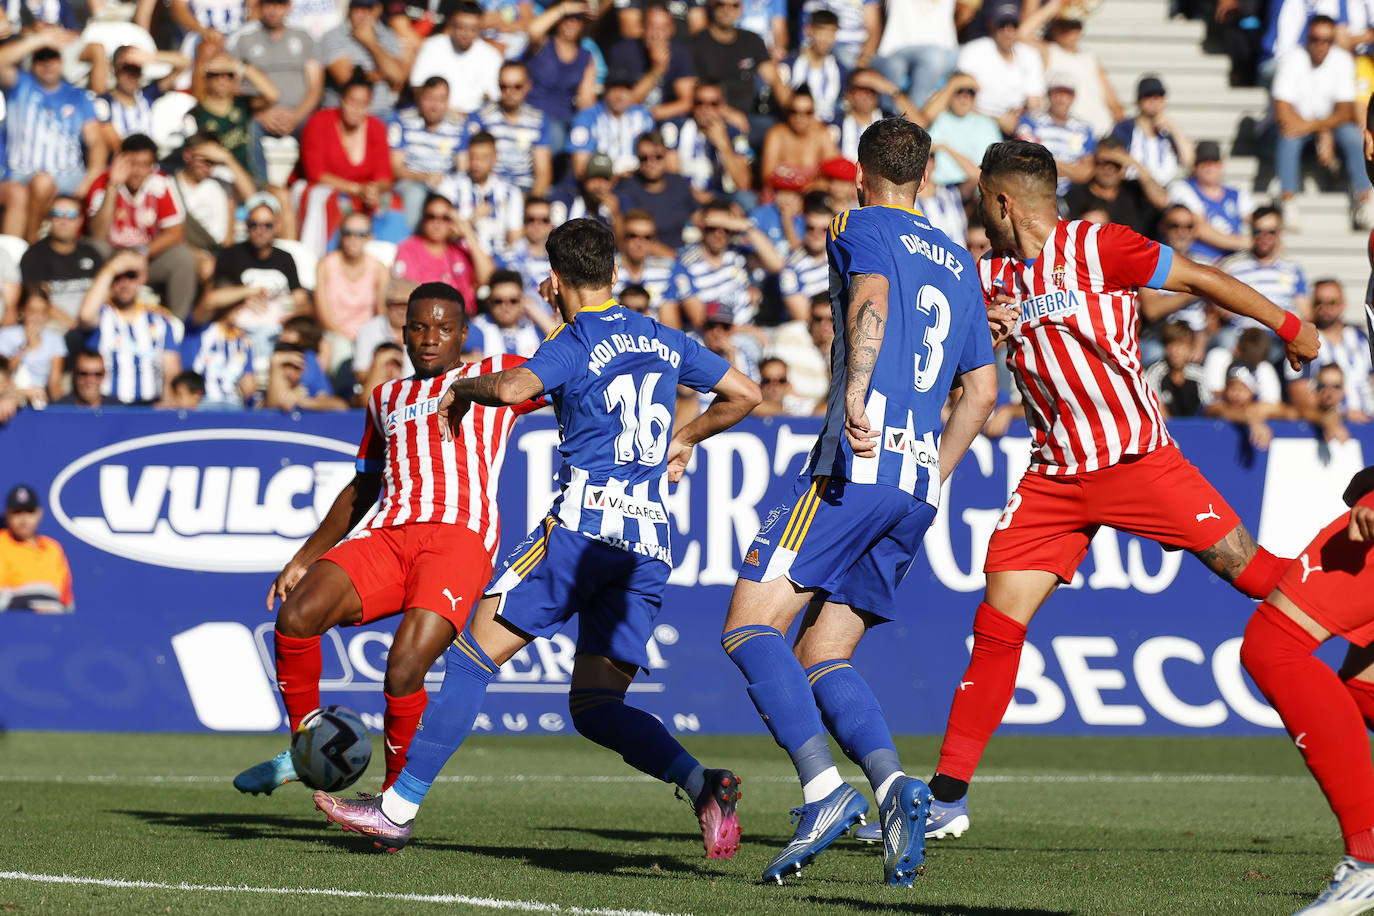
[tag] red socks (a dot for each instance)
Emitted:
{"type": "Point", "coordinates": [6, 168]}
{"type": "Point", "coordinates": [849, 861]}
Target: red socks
{"type": "Point", "coordinates": [1261, 575]}
{"type": "Point", "coordinates": [984, 692]}
{"type": "Point", "coordinates": [1362, 692]}
{"type": "Point", "coordinates": [298, 674]}
{"type": "Point", "coordinates": [1320, 715]}
{"type": "Point", "coordinates": [401, 720]}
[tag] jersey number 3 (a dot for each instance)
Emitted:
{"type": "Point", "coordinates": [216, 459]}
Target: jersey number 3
{"type": "Point", "coordinates": [930, 300]}
{"type": "Point", "coordinates": [644, 423]}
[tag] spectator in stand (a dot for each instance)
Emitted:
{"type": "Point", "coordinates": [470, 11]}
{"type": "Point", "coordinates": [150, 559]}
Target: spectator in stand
{"type": "Point", "coordinates": [562, 71]}
{"type": "Point", "coordinates": [88, 377]}
{"type": "Point", "coordinates": [362, 43]}
{"type": "Point", "coordinates": [637, 264]}
{"type": "Point", "coordinates": [413, 21]}
{"type": "Point", "coordinates": [503, 326]}
{"type": "Point", "coordinates": [816, 67]}
{"type": "Point", "coordinates": [347, 162]}
{"type": "Point", "coordinates": [491, 205]}
{"type": "Point", "coordinates": [461, 56]}
{"type": "Point", "coordinates": [708, 151]}
{"type": "Point", "coordinates": [1329, 410]}
{"type": "Point", "coordinates": [387, 329]}
{"type": "Point", "coordinates": [1094, 100]}
{"type": "Point", "coordinates": [139, 343]}
{"type": "Point", "coordinates": [661, 65]}
{"type": "Point", "coordinates": [736, 61]}
{"type": "Point", "coordinates": [919, 47]}
{"type": "Point", "coordinates": [62, 262]}
{"type": "Point", "coordinates": [34, 574]}
{"type": "Point", "coordinates": [592, 195]}
{"type": "Point", "coordinates": [1279, 279]}
{"type": "Point", "coordinates": [1221, 211]}
{"type": "Point", "coordinates": [804, 345]}
{"type": "Point", "coordinates": [864, 91]}
{"type": "Point", "coordinates": [807, 272]}
{"type": "Point", "coordinates": [1251, 352]}
{"type": "Point", "coordinates": [633, 17]}
{"type": "Point", "coordinates": [523, 154]}
{"type": "Point", "coordinates": [977, 244]}
{"type": "Point", "coordinates": [1341, 345]}
{"type": "Point", "coordinates": [289, 57]}
{"type": "Point", "coordinates": [1131, 202]}
{"type": "Point", "coordinates": [1314, 92]}
{"type": "Point", "coordinates": [444, 248]}
{"type": "Point", "coordinates": [1009, 73]}
{"type": "Point", "coordinates": [944, 207]}
{"type": "Point", "coordinates": [664, 196]}
{"type": "Point", "coordinates": [256, 270]}
{"type": "Point", "coordinates": [506, 26]}
{"type": "Point", "coordinates": [1178, 230]}
{"type": "Point", "coordinates": [134, 205]}
{"type": "Point", "coordinates": [426, 142]}
{"type": "Point", "coordinates": [635, 298]}
{"type": "Point", "coordinates": [1152, 138]}
{"type": "Point", "coordinates": [287, 385]}
{"type": "Point", "coordinates": [527, 256]}
{"type": "Point", "coordinates": [223, 109]}
{"type": "Point", "coordinates": [781, 219]}
{"type": "Point", "coordinates": [34, 351]}
{"type": "Point", "coordinates": [317, 18]}
{"type": "Point", "coordinates": [1177, 380]}
{"type": "Point", "coordinates": [718, 335]}
{"type": "Point", "coordinates": [209, 204]}
{"type": "Point", "coordinates": [1286, 25]}
{"type": "Point", "coordinates": [610, 126]}
{"type": "Point", "coordinates": [1240, 402]}
{"type": "Point", "coordinates": [837, 182]}
{"type": "Point", "coordinates": [123, 104]}
{"type": "Point", "coordinates": [778, 397]}
{"type": "Point", "coordinates": [207, 22]}
{"type": "Point", "coordinates": [53, 140]}
{"type": "Point", "coordinates": [218, 349]}
{"type": "Point", "coordinates": [800, 141]}
{"type": "Point", "coordinates": [389, 363]}
{"type": "Point", "coordinates": [859, 25]}
{"type": "Point", "coordinates": [188, 391]}
{"type": "Point", "coordinates": [715, 270]}
{"type": "Point", "coordinates": [1068, 139]}
{"type": "Point", "coordinates": [957, 127]}
{"type": "Point", "coordinates": [350, 284]}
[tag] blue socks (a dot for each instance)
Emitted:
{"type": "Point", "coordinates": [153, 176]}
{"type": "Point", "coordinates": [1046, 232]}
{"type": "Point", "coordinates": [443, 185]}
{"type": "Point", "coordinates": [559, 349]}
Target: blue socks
{"type": "Point", "coordinates": [447, 720]}
{"type": "Point", "coordinates": [639, 738]}
{"type": "Point", "coordinates": [778, 687]}
{"type": "Point", "coordinates": [852, 714]}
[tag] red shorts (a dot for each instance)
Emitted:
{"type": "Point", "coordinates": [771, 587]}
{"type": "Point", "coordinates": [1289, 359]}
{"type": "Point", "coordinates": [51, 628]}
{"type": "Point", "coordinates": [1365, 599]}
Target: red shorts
{"type": "Point", "coordinates": [1049, 521]}
{"type": "Point", "coordinates": [1332, 581]}
{"type": "Point", "coordinates": [438, 567]}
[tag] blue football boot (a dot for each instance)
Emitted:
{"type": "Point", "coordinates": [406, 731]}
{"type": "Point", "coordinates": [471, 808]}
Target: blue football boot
{"type": "Point", "coordinates": [818, 825]}
{"type": "Point", "coordinates": [902, 817]}
{"type": "Point", "coordinates": [945, 819]}
{"type": "Point", "coordinates": [268, 775]}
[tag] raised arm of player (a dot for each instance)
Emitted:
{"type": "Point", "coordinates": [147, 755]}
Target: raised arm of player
{"type": "Point", "coordinates": [1186, 276]}
{"type": "Point", "coordinates": [864, 325]}
{"type": "Point", "coordinates": [736, 395]}
{"type": "Point", "coordinates": [493, 389]}
{"type": "Point", "coordinates": [352, 503]}
{"type": "Point", "coordinates": [970, 412]}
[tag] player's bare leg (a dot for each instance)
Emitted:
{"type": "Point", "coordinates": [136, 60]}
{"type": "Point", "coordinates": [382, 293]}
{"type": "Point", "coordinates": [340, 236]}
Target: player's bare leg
{"type": "Point", "coordinates": [1253, 570]}
{"type": "Point", "coordinates": [760, 612]}
{"type": "Point", "coordinates": [596, 700]}
{"type": "Point", "coordinates": [421, 638]}
{"type": "Point", "coordinates": [325, 597]}
{"type": "Point", "coordinates": [1357, 672]}
{"type": "Point", "coordinates": [1326, 726]}
{"type": "Point", "coordinates": [999, 631]}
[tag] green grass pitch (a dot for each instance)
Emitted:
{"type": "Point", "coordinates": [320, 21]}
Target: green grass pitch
{"type": "Point", "coordinates": [555, 824]}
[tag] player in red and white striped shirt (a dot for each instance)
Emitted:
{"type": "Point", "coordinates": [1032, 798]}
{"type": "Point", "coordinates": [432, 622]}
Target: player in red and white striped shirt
{"type": "Point", "coordinates": [428, 551]}
{"type": "Point", "coordinates": [1062, 295]}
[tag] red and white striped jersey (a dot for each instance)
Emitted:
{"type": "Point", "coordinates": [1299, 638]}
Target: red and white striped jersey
{"type": "Point", "coordinates": [1075, 352]}
{"type": "Point", "coordinates": [427, 479]}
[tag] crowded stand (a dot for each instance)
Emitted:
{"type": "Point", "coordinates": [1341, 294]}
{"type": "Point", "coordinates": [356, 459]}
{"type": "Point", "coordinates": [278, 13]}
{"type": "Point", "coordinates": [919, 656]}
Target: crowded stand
{"type": "Point", "coordinates": [223, 206]}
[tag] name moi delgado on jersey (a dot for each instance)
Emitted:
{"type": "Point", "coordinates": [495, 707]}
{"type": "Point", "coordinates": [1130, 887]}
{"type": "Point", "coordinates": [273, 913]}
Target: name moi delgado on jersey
{"type": "Point", "coordinates": [618, 343]}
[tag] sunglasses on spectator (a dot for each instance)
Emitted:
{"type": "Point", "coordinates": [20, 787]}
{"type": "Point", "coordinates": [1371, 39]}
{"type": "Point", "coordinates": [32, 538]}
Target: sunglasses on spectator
{"type": "Point", "coordinates": [1266, 232]}
{"type": "Point", "coordinates": [64, 213]}
{"type": "Point", "coordinates": [214, 73]}
{"type": "Point", "coordinates": [715, 229]}
{"type": "Point", "coordinates": [354, 233]}
{"type": "Point", "coordinates": [1178, 225]}
{"type": "Point", "coordinates": [775, 380]}
{"type": "Point", "coordinates": [1328, 302]}
{"type": "Point", "coordinates": [515, 301]}
{"type": "Point", "coordinates": [512, 86]}
{"type": "Point", "coordinates": [639, 236]}
{"type": "Point", "coordinates": [131, 69]}
{"type": "Point", "coordinates": [1328, 385]}
{"type": "Point", "coordinates": [538, 219]}
{"type": "Point", "coordinates": [707, 103]}
{"type": "Point", "coordinates": [963, 90]}
{"type": "Point", "coordinates": [89, 373]}
{"type": "Point", "coordinates": [652, 157]}
{"type": "Point", "coordinates": [442, 217]}
{"type": "Point", "coordinates": [818, 228]}
{"type": "Point", "coordinates": [43, 54]}
{"type": "Point", "coordinates": [1316, 40]}
{"type": "Point", "coordinates": [127, 275]}
{"type": "Point", "coordinates": [802, 111]}
{"type": "Point", "coordinates": [255, 224]}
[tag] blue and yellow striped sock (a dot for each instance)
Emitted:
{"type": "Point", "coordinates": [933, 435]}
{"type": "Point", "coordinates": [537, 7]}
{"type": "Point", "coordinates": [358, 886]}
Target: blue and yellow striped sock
{"type": "Point", "coordinates": [852, 714]}
{"type": "Point", "coordinates": [639, 738]}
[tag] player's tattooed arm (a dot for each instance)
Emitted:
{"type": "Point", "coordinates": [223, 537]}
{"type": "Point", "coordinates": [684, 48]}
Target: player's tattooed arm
{"type": "Point", "coordinates": [865, 325]}
{"type": "Point", "coordinates": [1229, 556]}
{"type": "Point", "coordinates": [493, 389]}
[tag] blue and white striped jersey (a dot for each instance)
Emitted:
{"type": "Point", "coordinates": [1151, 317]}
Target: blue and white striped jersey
{"type": "Point", "coordinates": [1352, 355]}
{"type": "Point", "coordinates": [1228, 214]}
{"type": "Point", "coordinates": [804, 274]}
{"type": "Point", "coordinates": [43, 128]}
{"type": "Point", "coordinates": [1281, 282]}
{"type": "Point", "coordinates": [936, 329]}
{"type": "Point", "coordinates": [129, 119]}
{"type": "Point", "coordinates": [655, 275]}
{"type": "Point", "coordinates": [222, 356]}
{"type": "Point", "coordinates": [224, 16]}
{"type": "Point", "coordinates": [1067, 142]}
{"type": "Point", "coordinates": [132, 341]}
{"type": "Point", "coordinates": [596, 130]}
{"type": "Point", "coordinates": [504, 207]}
{"type": "Point", "coordinates": [515, 141]}
{"type": "Point", "coordinates": [612, 376]}
{"type": "Point", "coordinates": [698, 160]}
{"type": "Point", "coordinates": [825, 80]}
{"type": "Point", "coordinates": [850, 13]}
{"type": "Point", "coordinates": [427, 149]}
{"type": "Point", "coordinates": [944, 209]}
{"type": "Point", "coordinates": [532, 267]}
{"type": "Point", "coordinates": [726, 283]}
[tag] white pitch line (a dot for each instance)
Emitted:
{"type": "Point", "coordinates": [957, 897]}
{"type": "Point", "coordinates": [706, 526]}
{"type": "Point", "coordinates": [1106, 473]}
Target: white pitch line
{"type": "Point", "coordinates": [490, 903]}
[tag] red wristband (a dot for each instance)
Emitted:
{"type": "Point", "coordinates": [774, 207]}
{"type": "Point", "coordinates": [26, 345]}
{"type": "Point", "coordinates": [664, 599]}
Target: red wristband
{"type": "Point", "coordinates": [1292, 324]}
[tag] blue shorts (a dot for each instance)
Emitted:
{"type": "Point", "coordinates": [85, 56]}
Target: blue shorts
{"type": "Point", "coordinates": [853, 540]}
{"type": "Point", "coordinates": [556, 573]}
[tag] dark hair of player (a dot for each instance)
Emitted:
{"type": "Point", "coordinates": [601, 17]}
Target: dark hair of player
{"type": "Point", "coordinates": [582, 253]}
{"type": "Point", "coordinates": [894, 150]}
{"type": "Point", "coordinates": [444, 292]}
{"type": "Point", "coordinates": [1029, 162]}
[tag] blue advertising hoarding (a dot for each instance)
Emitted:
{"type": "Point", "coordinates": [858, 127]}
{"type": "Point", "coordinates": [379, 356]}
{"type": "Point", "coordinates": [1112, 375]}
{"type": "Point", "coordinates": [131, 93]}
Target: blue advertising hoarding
{"type": "Point", "coordinates": [175, 526]}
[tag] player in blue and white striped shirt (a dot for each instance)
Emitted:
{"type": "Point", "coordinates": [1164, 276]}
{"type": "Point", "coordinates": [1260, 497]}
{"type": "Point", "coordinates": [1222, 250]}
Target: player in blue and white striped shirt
{"type": "Point", "coordinates": [909, 321]}
{"type": "Point", "coordinates": [138, 343]}
{"type": "Point", "coordinates": [603, 551]}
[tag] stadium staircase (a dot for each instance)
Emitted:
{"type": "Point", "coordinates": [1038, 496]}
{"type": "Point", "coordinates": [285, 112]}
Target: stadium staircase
{"type": "Point", "coordinates": [1134, 37]}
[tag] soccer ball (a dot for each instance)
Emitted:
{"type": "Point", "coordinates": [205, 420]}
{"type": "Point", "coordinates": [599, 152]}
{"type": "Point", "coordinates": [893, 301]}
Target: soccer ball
{"type": "Point", "coordinates": [330, 748]}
